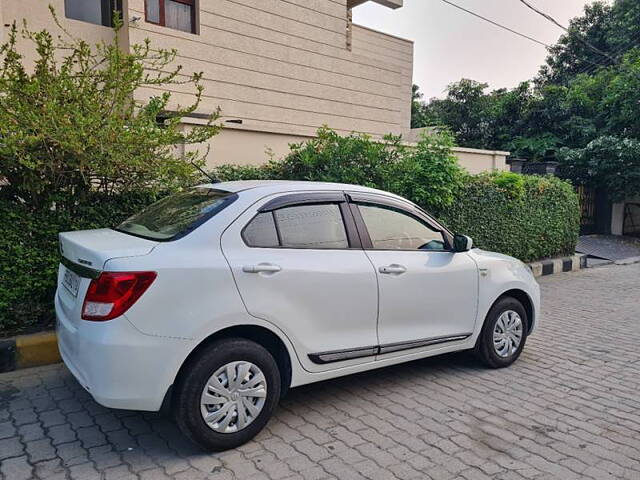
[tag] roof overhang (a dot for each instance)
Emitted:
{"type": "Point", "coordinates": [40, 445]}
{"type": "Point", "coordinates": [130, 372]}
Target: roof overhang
{"type": "Point", "coordinates": [387, 3]}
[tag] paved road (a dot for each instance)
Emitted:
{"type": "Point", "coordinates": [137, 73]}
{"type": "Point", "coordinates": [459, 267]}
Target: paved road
{"type": "Point", "coordinates": [569, 408]}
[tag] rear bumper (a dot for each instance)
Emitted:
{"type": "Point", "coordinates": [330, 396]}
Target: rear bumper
{"type": "Point", "coordinates": [117, 364]}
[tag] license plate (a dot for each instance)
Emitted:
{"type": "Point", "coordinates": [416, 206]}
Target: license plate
{"type": "Point", "coordinates": [71, 282]}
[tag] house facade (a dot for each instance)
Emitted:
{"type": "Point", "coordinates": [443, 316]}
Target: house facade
{"type": "Point", "coordinates": [278, 69]}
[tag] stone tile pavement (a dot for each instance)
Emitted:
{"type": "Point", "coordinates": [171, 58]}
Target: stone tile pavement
{"type": "Point", "coordinates": [568, 409]}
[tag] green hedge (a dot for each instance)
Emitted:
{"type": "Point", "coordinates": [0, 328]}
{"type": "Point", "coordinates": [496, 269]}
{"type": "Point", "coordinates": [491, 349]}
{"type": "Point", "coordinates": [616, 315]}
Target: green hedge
{"type": "Point", "coordinates": [539, 219]}
{"type": "Point", "coordinates": [29, 254]}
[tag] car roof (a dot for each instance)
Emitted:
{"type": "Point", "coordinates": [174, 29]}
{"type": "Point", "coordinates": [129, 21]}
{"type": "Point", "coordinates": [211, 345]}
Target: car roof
{"type": "Point", "coordinates": [285, 186]}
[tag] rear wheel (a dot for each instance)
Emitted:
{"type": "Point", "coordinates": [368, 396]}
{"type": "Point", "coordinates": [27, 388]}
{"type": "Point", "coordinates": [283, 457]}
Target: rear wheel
{"type": "Point", "coordinates": [504, 333]}
{"type": "Point", "coordinates": [227, 394]}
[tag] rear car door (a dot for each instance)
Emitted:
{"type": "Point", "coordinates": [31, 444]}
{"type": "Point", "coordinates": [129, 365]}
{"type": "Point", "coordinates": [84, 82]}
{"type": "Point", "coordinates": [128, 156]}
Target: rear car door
{"type": "Point", "coordinates": [298, 263]}
{"type": "Point", "coordinates": [428, 293]}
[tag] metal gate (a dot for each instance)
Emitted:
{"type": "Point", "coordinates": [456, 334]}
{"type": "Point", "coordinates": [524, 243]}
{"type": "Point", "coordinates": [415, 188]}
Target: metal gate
{"type": "Point", "coordinates": [588, 220]}
{"type": "Point", "coordinates": [631, 224]}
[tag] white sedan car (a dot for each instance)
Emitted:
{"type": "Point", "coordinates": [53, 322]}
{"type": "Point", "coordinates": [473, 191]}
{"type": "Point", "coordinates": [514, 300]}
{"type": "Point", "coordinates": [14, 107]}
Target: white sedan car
{"type": "Point", "coordinates": [213, 302]}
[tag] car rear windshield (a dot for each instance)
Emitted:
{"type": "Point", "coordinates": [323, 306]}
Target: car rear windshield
{"type": "Point", "coordinates": [176, 215]}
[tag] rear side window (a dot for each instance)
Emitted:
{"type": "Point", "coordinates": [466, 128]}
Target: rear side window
{"type": "Point", "coordinates": [176, 215]}
{"type": "Point", "coordinates": [312, 226]}
{"type": "Point", "coordinates": [318, 226]}
{"type": "Point", "coordinates": [261, 231]}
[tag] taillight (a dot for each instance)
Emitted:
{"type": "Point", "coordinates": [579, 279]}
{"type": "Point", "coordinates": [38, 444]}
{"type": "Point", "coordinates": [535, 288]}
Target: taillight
{"type": "Point", "coordinates": [113, 293]}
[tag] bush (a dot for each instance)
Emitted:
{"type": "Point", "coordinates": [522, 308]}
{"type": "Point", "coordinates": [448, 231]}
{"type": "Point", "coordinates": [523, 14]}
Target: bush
{"type": "Point", "coordinates": [29, 254]}
{"type": "Point", "coordinates": [428, 174]}
{"type": "Point", "coordinates": [70, 124]}
{"type": "Point", "coordinates": [542, 222]}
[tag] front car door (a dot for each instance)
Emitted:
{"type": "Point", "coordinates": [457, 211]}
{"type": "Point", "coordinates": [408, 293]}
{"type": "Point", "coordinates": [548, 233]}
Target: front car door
{"type": "Point", "coordinates": [298, 263]}
{"type": "Point", "coordinates": [428, 294]}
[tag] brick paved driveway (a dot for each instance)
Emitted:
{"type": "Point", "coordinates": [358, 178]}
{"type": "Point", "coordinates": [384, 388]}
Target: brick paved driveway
{"type": "Point", "coordinates": [569, 408]}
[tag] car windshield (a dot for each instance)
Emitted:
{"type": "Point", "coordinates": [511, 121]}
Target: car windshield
{"type": "Point", "coordinates": [176, 215]}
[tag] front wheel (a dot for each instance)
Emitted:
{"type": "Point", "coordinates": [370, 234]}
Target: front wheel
{"type": "Point", "coordinates": [504, 333]}
{"type": "Point", "coordinates": [227, 394]}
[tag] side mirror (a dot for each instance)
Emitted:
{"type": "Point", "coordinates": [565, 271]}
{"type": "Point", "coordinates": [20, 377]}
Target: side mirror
{"type": "Point", "coordinates": [462, 243]}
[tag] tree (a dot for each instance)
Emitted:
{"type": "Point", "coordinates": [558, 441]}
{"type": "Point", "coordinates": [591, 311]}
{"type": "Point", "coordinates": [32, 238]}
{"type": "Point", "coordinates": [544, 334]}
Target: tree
{"type": "Point", "coordinates": [597, 39]}
{"type": "Point", "coordinates": [611, 163]}
{"type": "Point", "coordinates": [418, 114]}
{"type": "Point", "coordinates": [70, 124]}
{"type": "Point", "coordinates": [463, 112]}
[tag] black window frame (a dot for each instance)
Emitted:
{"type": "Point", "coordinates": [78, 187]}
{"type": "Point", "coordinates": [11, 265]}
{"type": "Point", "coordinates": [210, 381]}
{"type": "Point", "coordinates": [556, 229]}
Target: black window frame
{"type": "Point", "coordinates": [107, 7]}
{"type": "Point", "coordinates": [305, 199]}
{"type": "Point", "coordinates": [407, 208]}
{"type": "Point", "coordinates": [162, 21]}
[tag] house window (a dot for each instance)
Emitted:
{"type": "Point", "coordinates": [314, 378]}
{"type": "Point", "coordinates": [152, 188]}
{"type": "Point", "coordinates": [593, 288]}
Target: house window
{"type": "Point", "coordinates": [177, 14]}
{"type": "Point", "coordinates": [99, 12]}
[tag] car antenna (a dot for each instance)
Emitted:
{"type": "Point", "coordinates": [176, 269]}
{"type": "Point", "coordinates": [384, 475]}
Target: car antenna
{"type": "Point", "coordinates": [209, 176]}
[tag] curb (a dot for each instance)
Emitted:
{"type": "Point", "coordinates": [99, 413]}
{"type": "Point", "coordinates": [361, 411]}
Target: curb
{"type": "Point", "coordinates": [572, 263]}
{"type": "Point", "coordinates": [26, 351]}
{"type": "Point", "coordinates": [627, 261]}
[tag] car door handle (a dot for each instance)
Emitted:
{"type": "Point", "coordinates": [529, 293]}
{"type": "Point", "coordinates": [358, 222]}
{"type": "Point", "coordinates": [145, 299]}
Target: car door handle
{"type": "Point", "coordinates": [393, 269]}
{"type": "Point", "coordinates": [261, 268]}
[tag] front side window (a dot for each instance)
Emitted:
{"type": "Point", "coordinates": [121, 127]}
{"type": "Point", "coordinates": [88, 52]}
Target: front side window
{"type": "Point", "coordinates": [99, 12]}
{"type": "Point", "coordinates": [318, 226]}
{"type": "Point", "coordinates": [176, 14]}
{"type": "Point", "coordinates": [392, 229]}
{"type": "Point", "coordinates": [178, 214]}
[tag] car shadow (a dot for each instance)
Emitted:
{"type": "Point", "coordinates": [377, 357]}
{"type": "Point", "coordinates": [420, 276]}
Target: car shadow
{"type": "Point", "coordinates": [145, 436]}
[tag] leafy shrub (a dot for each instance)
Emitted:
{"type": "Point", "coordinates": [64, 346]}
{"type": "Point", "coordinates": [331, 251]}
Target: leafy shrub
{"type": "Point", "coordinates": [511, 183]}
{"type": "Point", "coordinates": [80, 128]}
{"type": "Point", "coordinates": [428, 174]}
{"type": "Point", "coordinates": [543, 222]}
{"type": "Point", "coordinates": [29, 254]}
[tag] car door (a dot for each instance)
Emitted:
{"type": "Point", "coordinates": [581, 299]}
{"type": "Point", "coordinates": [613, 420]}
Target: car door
{"type": "Point", "coordinates": [298, 263]}
{"type": "Point", "coordinates": [427, 293]}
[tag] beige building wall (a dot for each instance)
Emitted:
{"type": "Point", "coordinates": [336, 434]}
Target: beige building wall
{"type": "Point", "coordinates": [38, 17]}
{"type": "Point", "coordinates": [284, 67]}
{"type": "Point", "coordinates": [478, 161]}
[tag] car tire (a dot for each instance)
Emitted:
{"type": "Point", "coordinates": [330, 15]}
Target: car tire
{"type": "Point", "coordinates": [224, 368]}
{"type": "Point", "coordinates": [506, 321]}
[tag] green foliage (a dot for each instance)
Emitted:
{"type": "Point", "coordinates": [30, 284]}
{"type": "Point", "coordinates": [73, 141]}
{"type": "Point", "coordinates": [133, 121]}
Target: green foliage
{"type": "Point", "coordinates": [429, 173]}
{"type": "Point", "coordinates": [512, 183]}
{"type": "Point", "coordinates": [29, 254]}
{"type": "Point", "coordinates": [611, 163]}
{"type": "Point", "coordinates": [418, 108]}
{"type": "Point", "coordinates": [543, 222]}
{"type": "Point", "coordinates": [610, 29]}
{"type": "Point", "coordinates": [70, 123]}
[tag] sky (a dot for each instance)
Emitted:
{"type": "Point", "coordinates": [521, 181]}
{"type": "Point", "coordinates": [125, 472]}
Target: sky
{"type": "Point", "coordinates": [451, 44]}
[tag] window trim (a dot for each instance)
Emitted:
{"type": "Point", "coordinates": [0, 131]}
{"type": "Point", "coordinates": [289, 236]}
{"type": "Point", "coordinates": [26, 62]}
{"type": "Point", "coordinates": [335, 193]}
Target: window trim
{"type": "Point", "coordinates": [306, 199]}
{"type": "Point", "coordinates": [162, 18]}
{"type": "Point", "coordinates": [408, 209]}
{"type": "Point", "coordinates": [107, 7]}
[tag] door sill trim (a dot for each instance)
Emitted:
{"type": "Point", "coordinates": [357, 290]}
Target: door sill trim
{"type": "Point", "coordinates": [323, 358]}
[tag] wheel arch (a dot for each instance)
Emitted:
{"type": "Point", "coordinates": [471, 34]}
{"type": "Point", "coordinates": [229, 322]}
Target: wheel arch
{"type": "Point", "coordinates": [524, 298]}
{"type": "Point", "coordinates": [256, 333]}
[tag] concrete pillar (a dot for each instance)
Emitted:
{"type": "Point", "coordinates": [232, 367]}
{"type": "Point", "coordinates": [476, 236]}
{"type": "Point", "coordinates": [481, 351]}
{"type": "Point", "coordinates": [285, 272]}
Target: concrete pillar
{"type": "Point", "coordinates": [617, 218]}
{"type": "Point", "coordinates": [516, 164]}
